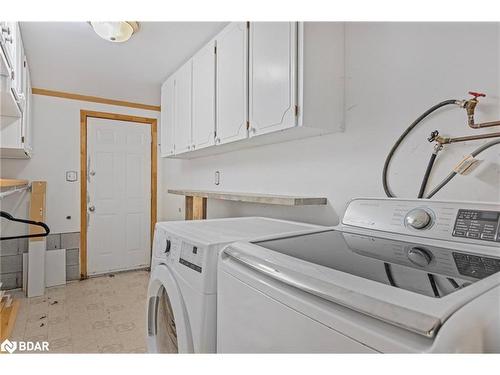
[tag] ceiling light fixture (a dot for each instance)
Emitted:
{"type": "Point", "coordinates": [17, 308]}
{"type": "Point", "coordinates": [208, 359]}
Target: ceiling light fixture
{"type": "Point", "coordinates": [116, 32]}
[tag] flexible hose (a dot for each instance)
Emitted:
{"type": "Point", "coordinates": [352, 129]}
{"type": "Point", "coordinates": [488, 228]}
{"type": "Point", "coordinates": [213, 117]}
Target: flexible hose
{"type": "Point", "coordinates": [453, 173]}
{"type": "Point", "coordinates": [426, 175]}
{"type": "Point", "coordinates": [387, 189]}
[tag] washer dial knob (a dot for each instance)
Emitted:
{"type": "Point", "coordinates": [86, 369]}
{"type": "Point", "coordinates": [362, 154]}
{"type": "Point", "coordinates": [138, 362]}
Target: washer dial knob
{"type": "Point", "coordinates": [418, 218]}
{"type": "Point", "coordinates": [168, 246]}
{"type": "Point", "coordinates": [419, 256]}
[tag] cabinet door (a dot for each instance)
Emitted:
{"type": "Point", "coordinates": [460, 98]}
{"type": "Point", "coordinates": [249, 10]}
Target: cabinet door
{"type": "Point", "coordinates": [27, 131]}
{"type": "Point", "coordinates": [232, 61]}
{"type": "Point", "coordinates": [272, 76]}
{"type": "Point", "coordinates": [182, 113]}
{"type": "Point", "coordinates": [204, 97]}
{"type": "Point", "coordinates": [17, 82]}
{"type": "Point", "coordinates": [167, 117]}
{"type": "Point", "coordinates": [8, 40]}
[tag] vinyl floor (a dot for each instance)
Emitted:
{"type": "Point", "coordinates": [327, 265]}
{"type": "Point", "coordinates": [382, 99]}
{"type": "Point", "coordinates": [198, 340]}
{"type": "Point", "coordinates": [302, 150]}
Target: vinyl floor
{"type": "Point", "coordinates": [105, 314]}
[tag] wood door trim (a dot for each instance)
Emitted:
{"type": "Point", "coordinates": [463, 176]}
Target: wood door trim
{"type": "Point", "coordinates": [84, 115]}
{"type": "Point", "coordinates": [93, 99]}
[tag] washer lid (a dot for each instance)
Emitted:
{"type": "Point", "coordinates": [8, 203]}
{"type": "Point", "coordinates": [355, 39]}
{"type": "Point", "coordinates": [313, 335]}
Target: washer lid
{"type": "Point", "coordinates": [372, 275]}
{"type": "Point", "coordinates": [168, 324]}
{"type": "Point", "coordinates": [434, 271]}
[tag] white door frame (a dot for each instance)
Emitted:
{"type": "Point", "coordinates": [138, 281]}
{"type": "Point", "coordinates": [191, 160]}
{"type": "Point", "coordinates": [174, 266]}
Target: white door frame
{"type": "Point", "coordinates": [84, 115]}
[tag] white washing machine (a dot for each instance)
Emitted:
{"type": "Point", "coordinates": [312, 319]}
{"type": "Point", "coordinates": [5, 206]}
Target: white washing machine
{"type": "Point", "coordinates": [181, 315]}
{"type": "Point", "coordinates": [396, 276]}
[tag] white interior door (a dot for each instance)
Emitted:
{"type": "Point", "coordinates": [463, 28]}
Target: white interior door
{"type": "Point", "coordinates": [232, 103]}
{"type": "Point", "coordinates": [272, 68]}
{"type": "Point", "coordinates": [119, 195]}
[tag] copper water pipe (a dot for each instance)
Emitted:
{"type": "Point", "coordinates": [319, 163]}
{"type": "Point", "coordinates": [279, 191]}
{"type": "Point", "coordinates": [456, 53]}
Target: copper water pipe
{"type": "Point", "coordinates": [470, 106]}
{"type": "Point", "coordinates": [446, 140]}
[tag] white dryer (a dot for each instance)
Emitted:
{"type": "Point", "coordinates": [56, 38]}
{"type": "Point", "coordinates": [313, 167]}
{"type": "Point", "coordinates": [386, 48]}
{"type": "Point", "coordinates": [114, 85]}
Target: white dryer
{"type": "Point", "coordinates": [181, 311]}
{"type": "Point", "coordinates": [396, 276]}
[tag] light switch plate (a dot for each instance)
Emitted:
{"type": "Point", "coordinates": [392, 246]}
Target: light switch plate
{"type": "Point", "coordinates": [71, 176]}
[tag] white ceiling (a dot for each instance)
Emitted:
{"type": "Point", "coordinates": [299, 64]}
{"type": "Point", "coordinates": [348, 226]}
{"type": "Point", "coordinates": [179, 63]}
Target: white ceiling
{"type": "Point", "coordinates": [69, 56]}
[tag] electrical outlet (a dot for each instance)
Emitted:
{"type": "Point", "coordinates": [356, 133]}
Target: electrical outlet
{"type": "Point", "coordinates": [71, 176]}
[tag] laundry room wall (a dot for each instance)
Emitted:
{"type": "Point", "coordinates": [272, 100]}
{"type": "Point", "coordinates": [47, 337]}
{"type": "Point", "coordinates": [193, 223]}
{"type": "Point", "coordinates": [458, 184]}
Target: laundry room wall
{"type": "Point", "coordinates": [56, 149]}
{"type": "Point", "coordinates": [394, 72]}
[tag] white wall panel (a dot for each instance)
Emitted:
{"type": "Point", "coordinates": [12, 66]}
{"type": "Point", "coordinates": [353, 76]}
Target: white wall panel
{"type": "Point", "coordinates": [394, 72]}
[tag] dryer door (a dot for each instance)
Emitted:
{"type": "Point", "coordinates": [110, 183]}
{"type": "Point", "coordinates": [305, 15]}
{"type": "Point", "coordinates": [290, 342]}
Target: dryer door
{"type": "Point", "coordinates": [168, 328]}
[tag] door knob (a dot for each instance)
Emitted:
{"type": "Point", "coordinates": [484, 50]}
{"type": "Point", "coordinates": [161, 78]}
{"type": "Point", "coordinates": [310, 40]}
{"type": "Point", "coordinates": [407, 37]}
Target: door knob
{"type": "Point", "coordinates": [92, 208]}
{"type": "Point", "coordinates": [92, 173]}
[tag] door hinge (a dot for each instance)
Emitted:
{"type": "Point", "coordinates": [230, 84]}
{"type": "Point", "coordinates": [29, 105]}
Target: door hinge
{"type": "Point", "coordinates": [215, 50]}
{"type": "Point", "coordinates": [22, 139]}
{"type": "Point", "coordinates": [248, 24]}
{"type": "Point", "coordinates": [248, 125]}
{"type": "Point", "coordinates": [296, 110]}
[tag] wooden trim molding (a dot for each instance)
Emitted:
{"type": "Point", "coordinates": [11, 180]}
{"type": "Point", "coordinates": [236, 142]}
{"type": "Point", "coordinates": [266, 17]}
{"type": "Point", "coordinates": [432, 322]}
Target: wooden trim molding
{"type": "Point", "coordinates": [37, 207]}
{"type": "Point", "coordinates": [84, 115]}
{"type": "Point", "coordinates": [94, 99]}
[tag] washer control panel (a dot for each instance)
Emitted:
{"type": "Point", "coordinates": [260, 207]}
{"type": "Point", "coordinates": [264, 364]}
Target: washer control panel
{"type": "Point", "coordinates": [466, 222]}
{"type": "Point", "coordinates": [480, 225]}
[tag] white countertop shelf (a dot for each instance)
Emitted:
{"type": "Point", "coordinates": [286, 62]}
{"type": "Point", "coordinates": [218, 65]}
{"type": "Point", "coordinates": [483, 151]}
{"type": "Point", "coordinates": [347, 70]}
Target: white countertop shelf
{"type": "Point", "coordinates": [272, 199]}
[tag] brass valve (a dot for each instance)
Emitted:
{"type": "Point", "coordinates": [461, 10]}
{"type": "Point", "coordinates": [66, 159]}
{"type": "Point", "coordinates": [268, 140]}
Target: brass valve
{"type": "Point", "coordinates": [470, 107]}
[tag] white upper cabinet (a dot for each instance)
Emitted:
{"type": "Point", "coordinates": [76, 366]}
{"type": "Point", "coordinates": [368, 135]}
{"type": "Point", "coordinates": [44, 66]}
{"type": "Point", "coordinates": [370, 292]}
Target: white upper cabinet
{"type": "Point", "coordinates": [232, 76]}
{"type": "Point", "coordinates": [12, 48]}
{"type": "Point", "coordinates": [8, 39]}
{"type": "Point", "coordinates": [204, 97]}
{"type": "Point", "coordinates": [167, 118]}
{"type": "Point", "coordinates": [27, 131]}
{"type": "Point", "coordinates": [17, 84]}
{"type": "Point", "coordinates": [268, 82]}
{"type": "Point", "coordinates": [272, 76]}
{"type": "Point", "coordinates": [16, 122]}
{"type": "Point", "coordinates": [182, 108]}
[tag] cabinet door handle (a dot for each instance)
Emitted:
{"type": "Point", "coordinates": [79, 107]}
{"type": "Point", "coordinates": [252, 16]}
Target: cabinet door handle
{"type": "Point", "coordinates": [9, 39]}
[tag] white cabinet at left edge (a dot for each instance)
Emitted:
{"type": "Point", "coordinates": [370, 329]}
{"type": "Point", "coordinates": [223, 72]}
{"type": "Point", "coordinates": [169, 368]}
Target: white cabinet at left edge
{"type": "Point", "coordinates": [15, 95]}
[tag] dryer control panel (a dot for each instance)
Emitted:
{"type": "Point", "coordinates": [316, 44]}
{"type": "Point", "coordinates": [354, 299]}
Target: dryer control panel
{"type": "Point", "coordinates": [191, 257]}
